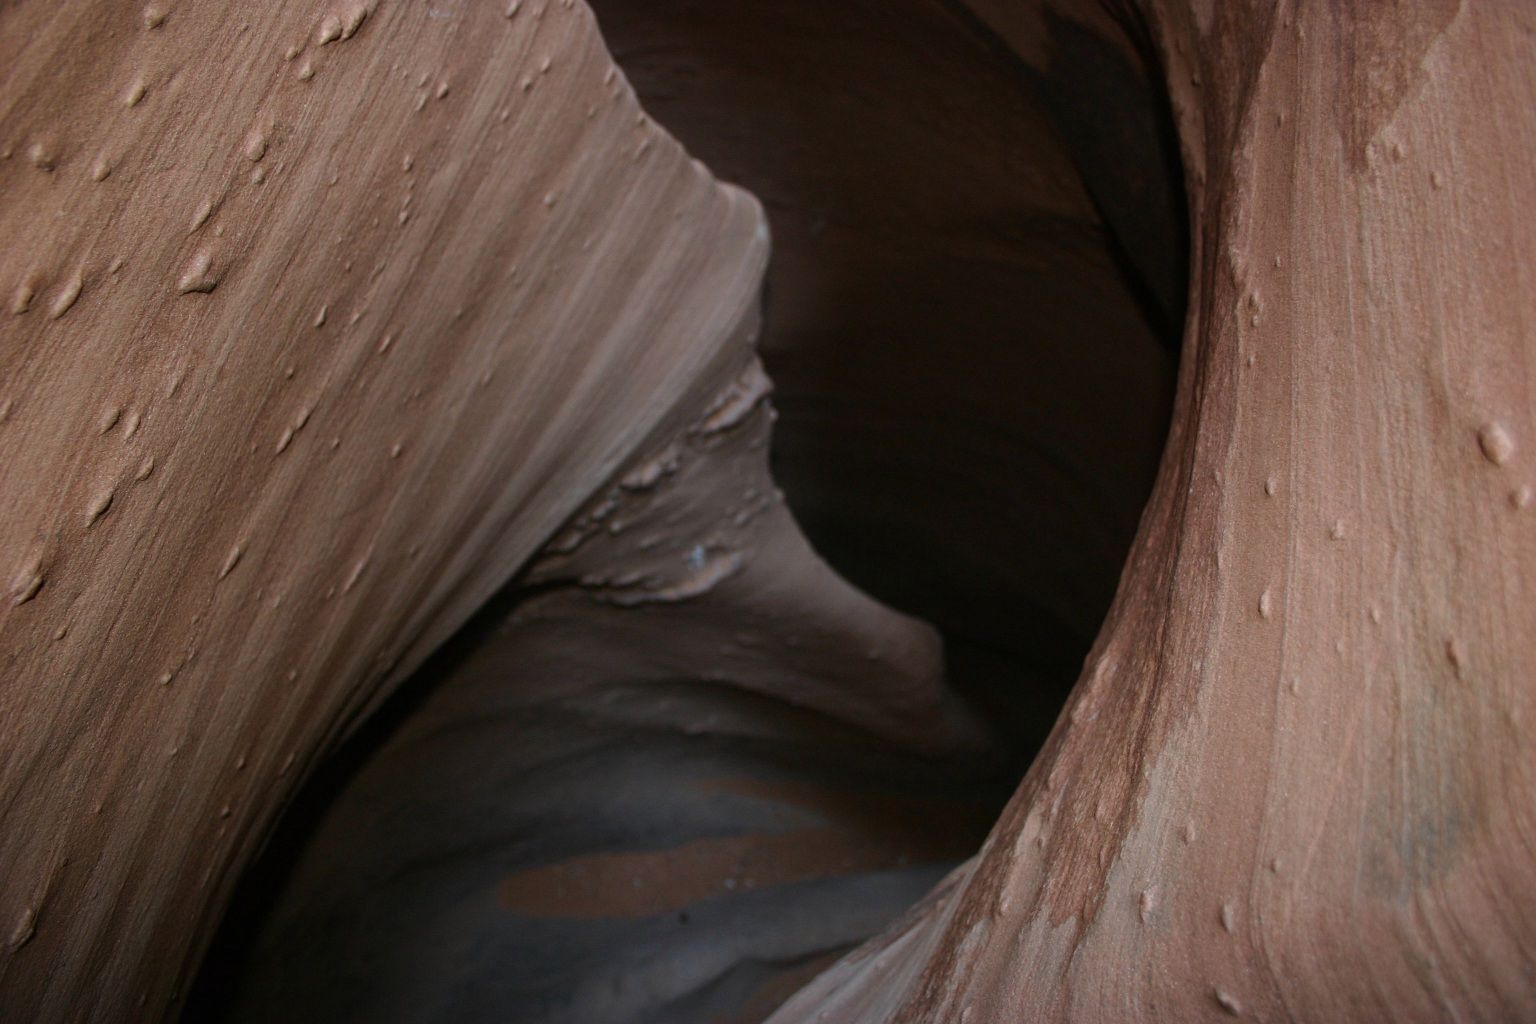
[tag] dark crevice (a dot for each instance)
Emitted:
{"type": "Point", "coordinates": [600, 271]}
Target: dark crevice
{"type": "Point", "coordinates": [972, 317]}
{"type": "Point", "coordinates": [263, 881]}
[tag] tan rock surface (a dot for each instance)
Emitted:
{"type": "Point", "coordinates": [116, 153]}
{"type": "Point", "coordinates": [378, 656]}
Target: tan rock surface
{"type": "Point", "coordinates": [317, 326]}
{"type": "Point", "coordinates": [318, 323]}
{"type": "Point", "coordinates": [1295, 780]}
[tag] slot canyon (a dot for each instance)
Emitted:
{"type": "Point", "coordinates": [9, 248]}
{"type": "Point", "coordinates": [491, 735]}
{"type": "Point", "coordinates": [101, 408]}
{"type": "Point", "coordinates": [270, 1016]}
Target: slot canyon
{"type": "Point", "coordinates": [658, 512]}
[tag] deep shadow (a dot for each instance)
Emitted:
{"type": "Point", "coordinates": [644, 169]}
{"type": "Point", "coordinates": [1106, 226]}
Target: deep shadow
{"type": "Point", "coordinates": [973, 315]}
{"type": "Point", "coordinates": [974, 306]}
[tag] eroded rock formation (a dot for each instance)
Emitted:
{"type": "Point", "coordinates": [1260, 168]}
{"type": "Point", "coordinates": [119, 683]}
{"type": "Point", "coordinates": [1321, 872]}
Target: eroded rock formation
{"type": "Point", "coordinates": [682, 767]}
{"type": "Point", "coordinates": [307, 348]}
{"type": "Point", "coordinates": [1293, 783]}
{"type": "Point", "coordinates": [323, 327]}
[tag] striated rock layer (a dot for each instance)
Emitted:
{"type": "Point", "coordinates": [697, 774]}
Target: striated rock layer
{"type": "Point", "coordinates": [318, 323]}
{"type": "Point", "coordinates": [318, 328]}
{"type": "Point", "coordinates": [1294, 782]}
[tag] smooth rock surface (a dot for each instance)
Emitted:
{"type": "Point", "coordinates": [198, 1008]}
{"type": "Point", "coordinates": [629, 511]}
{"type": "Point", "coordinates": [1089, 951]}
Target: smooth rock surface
{"type": "Point", "coordinates": [319, 322]}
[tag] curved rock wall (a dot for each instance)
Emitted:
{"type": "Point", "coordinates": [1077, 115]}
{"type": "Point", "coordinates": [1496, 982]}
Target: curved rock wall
{"type": "Point", "coordinates": [318, 328]}
{"type": "Point", "coordinates": [317, 324]}
{"type": "Point", "coordinates": [1293, 783]}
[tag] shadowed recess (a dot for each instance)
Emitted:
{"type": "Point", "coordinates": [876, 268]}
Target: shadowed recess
{"type": "Point", "coordinates": [582, 812]}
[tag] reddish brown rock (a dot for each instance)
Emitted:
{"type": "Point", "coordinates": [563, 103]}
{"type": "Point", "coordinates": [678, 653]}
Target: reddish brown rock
{"type": "Point", "coordinates": [1293, 782]}
{"type": "Point", "coordinates": [317, 330]}
{"type": "Point", "coordinates": [278, 417]}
